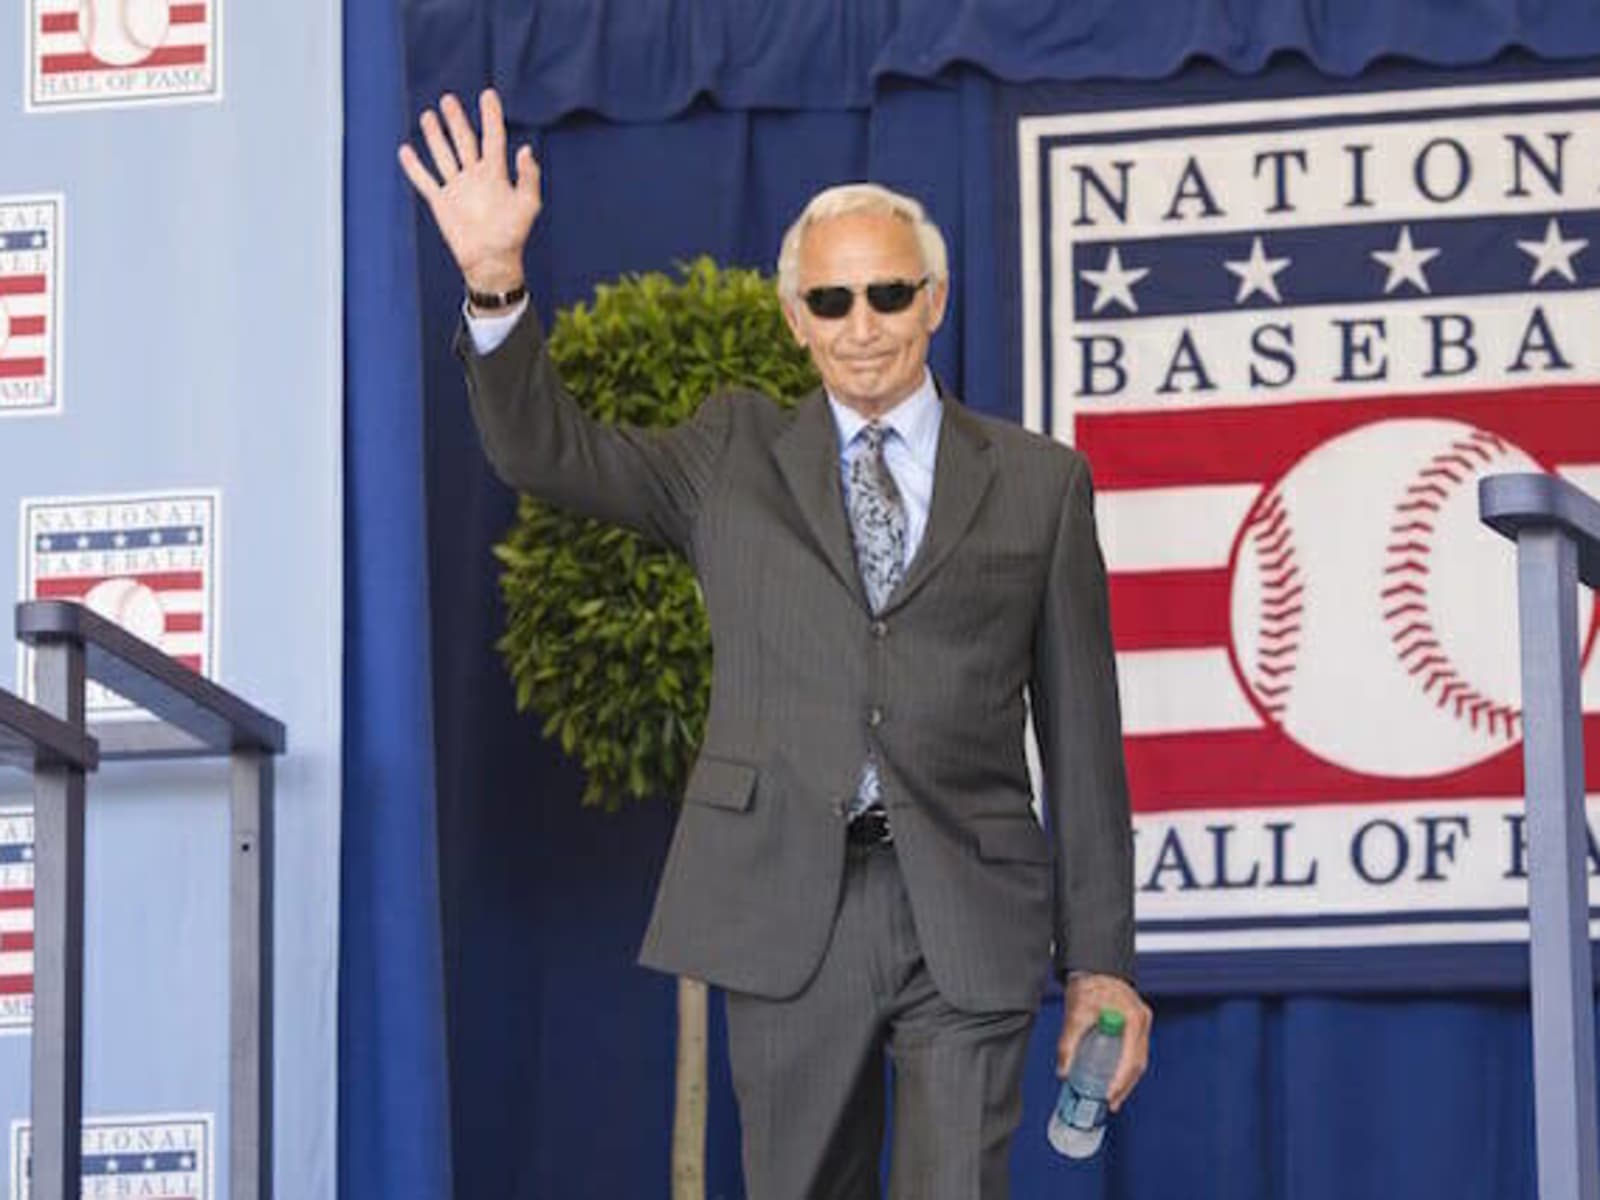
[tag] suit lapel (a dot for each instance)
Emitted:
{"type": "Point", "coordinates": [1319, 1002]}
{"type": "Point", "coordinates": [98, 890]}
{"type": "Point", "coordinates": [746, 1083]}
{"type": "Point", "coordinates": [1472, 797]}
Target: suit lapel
{"type": "Point", "coordinates": [962, 473]}
{"type": "Point", "coordinates": [808, 457]}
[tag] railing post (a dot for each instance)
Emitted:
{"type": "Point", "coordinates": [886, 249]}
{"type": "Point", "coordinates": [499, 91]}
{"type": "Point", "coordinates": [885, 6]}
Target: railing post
{"type": "Point", "coordinates": [250, 978]}
{"type": "Point", "coordinates": [58, 870]}
{"type": "Point", "coordinates": [190, 717]}
{"type": "Point", "coordinates": [1558, 874]}
{"type": "Point", "coordinates": [1556, 529]}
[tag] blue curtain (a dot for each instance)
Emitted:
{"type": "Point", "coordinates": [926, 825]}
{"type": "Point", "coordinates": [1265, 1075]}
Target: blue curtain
{"type": "Point", "coordinates": [393, 1090]}
{"type": "Point", "coordinates": [669, 128]}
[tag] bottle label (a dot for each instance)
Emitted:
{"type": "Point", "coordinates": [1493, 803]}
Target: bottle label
{"type": "Point", "coordinates": [1085, 1112]}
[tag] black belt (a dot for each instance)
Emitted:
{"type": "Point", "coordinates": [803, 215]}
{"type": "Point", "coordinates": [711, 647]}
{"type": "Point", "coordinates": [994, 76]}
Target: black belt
{"type": "Point", "coordinates": [869, 828]}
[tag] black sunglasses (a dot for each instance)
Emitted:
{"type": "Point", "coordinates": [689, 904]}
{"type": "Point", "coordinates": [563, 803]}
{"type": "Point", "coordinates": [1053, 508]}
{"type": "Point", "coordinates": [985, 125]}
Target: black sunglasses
{"type": "Point", "coordinates": [888, 296]}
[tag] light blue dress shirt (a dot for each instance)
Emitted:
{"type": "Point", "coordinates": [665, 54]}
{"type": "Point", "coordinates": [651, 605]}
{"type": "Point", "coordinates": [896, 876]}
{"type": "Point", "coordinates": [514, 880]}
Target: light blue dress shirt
{"type": "Point", "coordinates": [910, 451]}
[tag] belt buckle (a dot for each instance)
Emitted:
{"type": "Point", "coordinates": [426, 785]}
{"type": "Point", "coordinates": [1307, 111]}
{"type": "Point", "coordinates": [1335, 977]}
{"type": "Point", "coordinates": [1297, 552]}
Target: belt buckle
{"type": "Point", "coordinates": [869, 828]}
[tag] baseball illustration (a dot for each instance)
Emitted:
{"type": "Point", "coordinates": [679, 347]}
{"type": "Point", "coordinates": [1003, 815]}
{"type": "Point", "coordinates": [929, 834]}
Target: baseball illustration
{"type": "Point", "coordinates": [121, 33]}
{"type": "Point", "coordinates": [130, 604]}
{"type": "Point", "coordinates": [1374, 618]}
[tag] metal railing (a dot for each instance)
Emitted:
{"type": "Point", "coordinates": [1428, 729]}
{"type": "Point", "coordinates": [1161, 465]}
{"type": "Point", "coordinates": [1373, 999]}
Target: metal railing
{"type": "Point", "coordinates": [189, 716]}
{"type": "Point", "coordinates": [1557, 531]}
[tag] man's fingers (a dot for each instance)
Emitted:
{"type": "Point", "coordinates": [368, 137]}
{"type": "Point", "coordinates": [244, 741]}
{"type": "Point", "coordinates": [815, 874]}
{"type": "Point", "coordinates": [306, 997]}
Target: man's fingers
{"type": "Point", "coordinates": [493, 120]}
{"type": "Point", "coordinates": [466, 141]}
{"type": "Point", "coordinates": [527, 171]}
{"type": "Point", "coordinates": [421, 178]}
{"type": "Point", "coordinates": [444, 158]}
{"type": "Point", "coordinates": [1065, 1049]}
{"type": "Point", "coordinates": [1130, 1069]}
{"type": "Point", "coordinates": [1135, 1054]}
{"type": "Point", "coordinates": [1078, 1022]}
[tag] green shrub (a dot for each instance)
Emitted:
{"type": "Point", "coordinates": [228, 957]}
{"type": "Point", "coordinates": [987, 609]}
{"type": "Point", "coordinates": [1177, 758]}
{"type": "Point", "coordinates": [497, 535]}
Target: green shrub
{"type": "Point", "coordinates": [606, 636]}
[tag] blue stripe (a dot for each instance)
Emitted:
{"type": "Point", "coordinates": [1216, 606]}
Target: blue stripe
{"type": "Point", "coordinates": [24, 239]}
{"type": "Point", "coordinates": [1341, 920]}
{"type": "Point", "coordinates": [1333, 264]}
{"type": "Point", "coordinates": [106, 539]}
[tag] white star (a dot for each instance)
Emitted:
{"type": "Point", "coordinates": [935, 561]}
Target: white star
{"type": "Point", "coordinates": [155, 537]}
{"type": "Point", "coordinates": [38, 239]}
{"type": "Point", "coordinates": [149, 1163]}
{"type": "Point", "coordinates": [1405, 263]}
{"type": "Point", "coordinates": [44, 543]}
{"type": "Point", "coordinates": [27, 854]}
{"type": "Point", "coordinates": [1114, 282]}
{"type": "Point", "coordinates": [1258, 273]}
{"type": "Point", "coordinates": [186, 1163]}
{"type": "Point", "coordinates": [194, 536]}
{"type": "Point", "coordinates": [111, 1166]}
{"type": "Point", "coordinates": [1555, 253]}
{"type": "Point", "coordinates": [83, 542]}
{"type": "Point", "coordinates": [120, 540]}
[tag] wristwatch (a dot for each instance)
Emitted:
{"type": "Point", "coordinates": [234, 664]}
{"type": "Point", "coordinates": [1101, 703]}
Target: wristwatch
{"type": "Point", "coordinates": [488, 302]}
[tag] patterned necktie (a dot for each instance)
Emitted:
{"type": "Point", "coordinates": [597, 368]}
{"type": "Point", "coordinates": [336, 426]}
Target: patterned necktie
{"type": "Point", "coordinates": [878, 526]}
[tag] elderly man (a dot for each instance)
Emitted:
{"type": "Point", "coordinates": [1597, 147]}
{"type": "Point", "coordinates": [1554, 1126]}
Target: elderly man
{"type": "Point", "coordinates": [890, 579]}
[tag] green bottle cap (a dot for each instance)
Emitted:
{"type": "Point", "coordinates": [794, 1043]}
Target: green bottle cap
{"type": "Point", "coordinates": [1111, 1022]}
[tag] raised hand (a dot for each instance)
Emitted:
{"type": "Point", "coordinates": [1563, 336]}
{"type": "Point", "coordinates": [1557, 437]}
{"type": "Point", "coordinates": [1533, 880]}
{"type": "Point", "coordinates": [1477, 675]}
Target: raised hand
{"type": "Point", "coordinates": [484, 216]}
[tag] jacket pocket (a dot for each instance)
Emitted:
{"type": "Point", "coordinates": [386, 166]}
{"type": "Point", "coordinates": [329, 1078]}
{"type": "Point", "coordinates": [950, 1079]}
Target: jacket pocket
{"type": "Point", "coordinates": [721, 783]}
{"type": "Point", "coordinates": [1019, 840]}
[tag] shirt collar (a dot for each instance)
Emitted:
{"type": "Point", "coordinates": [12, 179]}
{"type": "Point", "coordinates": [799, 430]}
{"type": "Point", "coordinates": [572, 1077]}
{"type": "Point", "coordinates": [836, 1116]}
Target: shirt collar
{"type": "Point", "coordinates": [915, 419]}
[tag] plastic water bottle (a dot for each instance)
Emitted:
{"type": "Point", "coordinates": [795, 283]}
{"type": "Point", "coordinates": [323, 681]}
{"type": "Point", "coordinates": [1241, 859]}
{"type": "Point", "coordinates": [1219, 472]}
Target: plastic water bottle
{"type": "Point", "coordinates": [1078, 1124]}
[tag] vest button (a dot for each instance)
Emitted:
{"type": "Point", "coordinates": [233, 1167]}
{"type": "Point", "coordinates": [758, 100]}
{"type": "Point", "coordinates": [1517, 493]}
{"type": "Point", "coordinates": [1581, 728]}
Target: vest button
{"type": "Point", "coordinates": [880, 629]}
{"type": "Point", "coordinates": [875, 717]}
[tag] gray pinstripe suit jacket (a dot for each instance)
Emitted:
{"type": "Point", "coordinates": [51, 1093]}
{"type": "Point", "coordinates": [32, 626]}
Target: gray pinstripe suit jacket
{"type": "Point", "coordinates": [1006, 593]}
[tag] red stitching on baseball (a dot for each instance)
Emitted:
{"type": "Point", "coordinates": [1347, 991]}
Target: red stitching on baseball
{"type": "Point", "coordinates": [1411, 623]}
{"type": "Point", "coordinates": [1405, 610]}
{"type": "Point", "coordinates": [1409, 566]}
{"type": "Point", "coordinates": [1272, 538]}
{"type": "Point", "coordinates": [1404, 589]}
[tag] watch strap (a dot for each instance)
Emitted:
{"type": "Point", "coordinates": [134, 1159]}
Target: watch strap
{"type": "Point", "coordinates": [489, 301]}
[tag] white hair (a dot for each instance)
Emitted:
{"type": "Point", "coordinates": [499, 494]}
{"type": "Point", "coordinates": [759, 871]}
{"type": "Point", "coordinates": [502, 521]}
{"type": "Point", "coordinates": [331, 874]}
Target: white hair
{"type": "Point", "coordinates": [861, 197]}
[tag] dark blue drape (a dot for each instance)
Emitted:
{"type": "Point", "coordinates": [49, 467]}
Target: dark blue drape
{"type": "Point", "coordinates": [649, 60]}
{"type": "Point", "coordinates": [393, 1094]}
{"type": "Point", "coordinates": [669, 128]}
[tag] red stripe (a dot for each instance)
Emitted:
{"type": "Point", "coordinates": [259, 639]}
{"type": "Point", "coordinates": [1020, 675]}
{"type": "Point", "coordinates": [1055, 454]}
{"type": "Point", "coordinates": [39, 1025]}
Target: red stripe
{"type": "Point", "coordinates": [12, 898]}
{"type": "Point", "coordinates": [15, 942]}
{"type": "Point", "coordinates": [60, 22]}
{"type": "Point", "coordinates": [1170, 610]}
{"type": "Point", "coordinates": [21, 368]}
{"type": "Point", "coordinates": [21, 285]}
{"type": "Point", "coordinates": [192, 661]}
{"type": "Point", "coordinates": [166, 56]}
{"type": "Point", "coordinates": [186, 14]}
{"type": "Point", "coordinates": [184, 622]}
{"type": "Point", "coordinates": [27, 326]}
{"type": "Point", "coordinates": [71, 587]}
{"type": "Point", "coordinates": [1261, 768]}
{"type": "Point", "coordinates": [16, 985]}
{"type": "Point", "coordinates": [1258, 444]}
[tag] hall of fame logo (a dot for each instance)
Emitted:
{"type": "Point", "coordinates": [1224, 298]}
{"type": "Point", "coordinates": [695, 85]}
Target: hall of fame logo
{"type": "Point", "coordinates": [1291, 336]}
{"type": "Point", "coordinates": [30, 305]}
{"type": "Point", "coordinates": [16, 919]}
{"type": "Point", "coordinates": [165, 1155]}
{"type": "Point", "coordinates": [147, 562]}
{"type": "Point", "coordinates": [113, 52]}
